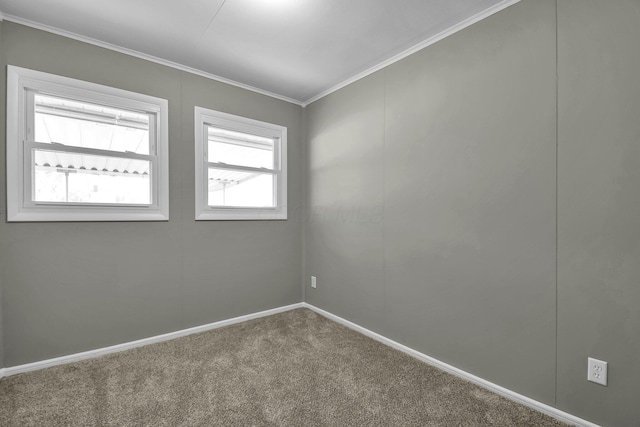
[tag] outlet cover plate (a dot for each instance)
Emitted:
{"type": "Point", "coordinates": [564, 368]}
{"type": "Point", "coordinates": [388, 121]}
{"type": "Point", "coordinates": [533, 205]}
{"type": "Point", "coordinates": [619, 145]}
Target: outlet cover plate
{"type": "Point", "coordinates": [597, 371]}
{"type": "Point", "coordinates": [313, 281]}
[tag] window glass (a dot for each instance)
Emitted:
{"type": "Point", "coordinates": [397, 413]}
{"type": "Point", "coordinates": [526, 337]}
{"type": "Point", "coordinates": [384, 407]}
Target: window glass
{"type": "Point", "coordinates": [235, 148]}
{"type": "Point", "coordinates": [87, 125]}
{"type": "Point", "coordinates": [240, 188]}
{"type": "Point", "coordinates": [79, 178]}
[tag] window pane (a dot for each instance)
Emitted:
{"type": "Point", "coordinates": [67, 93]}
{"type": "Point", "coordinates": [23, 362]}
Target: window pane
{"type": "Point", "coordinates": [79, 178]}
{"type": "Point", "coordinates": [235, 148]}
{"type": "Point", "coordinates": [240, 188]}
{"type": "Point", "coordinates": [82, 124]}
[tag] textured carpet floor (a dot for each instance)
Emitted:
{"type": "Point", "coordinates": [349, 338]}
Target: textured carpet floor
{"type": "Point", "coordinates": [291, 369]}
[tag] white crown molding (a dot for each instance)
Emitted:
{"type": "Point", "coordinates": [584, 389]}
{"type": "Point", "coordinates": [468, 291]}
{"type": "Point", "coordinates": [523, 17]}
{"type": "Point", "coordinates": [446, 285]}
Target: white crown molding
{"type": "Point", "coordinates": [1, 19]}
{"type": "Point", "coordinates": [150, 58]}
{"type": "Point", "coordinates": [63, 360]}
{"type": "Point", "coordinates": [410, 51]}
{"type": "Point", "coordinates": [509, 394]}
{"type": "Point", "coordinates": [431, 40]}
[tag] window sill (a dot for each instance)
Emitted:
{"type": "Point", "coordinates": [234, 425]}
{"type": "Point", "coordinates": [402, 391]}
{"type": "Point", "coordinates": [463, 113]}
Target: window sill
{"type": "Point", "coordinates": [80, 215]}
{"type": "Point", "coordinates": [230, 214]}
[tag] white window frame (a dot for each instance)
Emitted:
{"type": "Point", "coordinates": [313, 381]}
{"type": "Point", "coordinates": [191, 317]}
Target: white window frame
{"type": "Point", "coordinates": [204, 117]}
{"type": "Point", "coordinates": [21, 84]}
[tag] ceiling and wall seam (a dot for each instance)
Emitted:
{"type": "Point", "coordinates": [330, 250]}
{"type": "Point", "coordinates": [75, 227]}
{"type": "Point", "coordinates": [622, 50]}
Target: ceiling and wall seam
{"type": "Point", "coordinates": [213, 18]}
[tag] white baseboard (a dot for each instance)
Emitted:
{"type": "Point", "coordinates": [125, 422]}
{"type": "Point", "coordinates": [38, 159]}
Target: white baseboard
{"type": "Point", "coordinates": [511, 395]}
{"type": "Point", "coordinates": [539, 406]}
{"type": "Point", "coordinates": [13, 370]}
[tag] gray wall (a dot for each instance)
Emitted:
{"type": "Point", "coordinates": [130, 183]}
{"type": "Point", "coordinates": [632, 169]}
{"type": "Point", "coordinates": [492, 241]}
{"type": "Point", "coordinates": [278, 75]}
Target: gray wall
{"type": "Point", "coordinates": [432, 200]}
{"type": "Point", "coordinates": [2, 185]}
{"type": "Point", "coordinates": [70, 287]}
{"type": "Point", "coordinates": [432, 190]}
{"type": "Point", "coordinates": [599, 207]}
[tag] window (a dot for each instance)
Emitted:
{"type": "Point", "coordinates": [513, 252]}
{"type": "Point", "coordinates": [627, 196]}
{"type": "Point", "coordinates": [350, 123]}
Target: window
{"type": "Point", "coordinates": [241, 168]}
{"type": "Point", "coordinates": [78, 151]}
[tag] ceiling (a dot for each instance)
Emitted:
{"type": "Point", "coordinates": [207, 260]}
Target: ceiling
{"type": "Point", "coordinates": [296, 50]}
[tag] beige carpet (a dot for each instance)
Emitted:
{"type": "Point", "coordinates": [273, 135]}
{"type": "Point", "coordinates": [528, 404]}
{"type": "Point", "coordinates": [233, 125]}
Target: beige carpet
{"type": "Point", "coordinates": [291, 369]}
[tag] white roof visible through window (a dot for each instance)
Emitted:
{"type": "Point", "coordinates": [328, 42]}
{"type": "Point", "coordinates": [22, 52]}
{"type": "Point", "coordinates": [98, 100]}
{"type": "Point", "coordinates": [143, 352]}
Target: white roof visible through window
{"type": "Point", "coordinates": [85, 125]}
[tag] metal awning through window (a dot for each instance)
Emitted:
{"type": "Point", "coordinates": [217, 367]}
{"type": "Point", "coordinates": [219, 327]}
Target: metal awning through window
{"type": "Point", "coordinates": [221, 179]}
{"type": "Point", "coordinates": [62, 161]}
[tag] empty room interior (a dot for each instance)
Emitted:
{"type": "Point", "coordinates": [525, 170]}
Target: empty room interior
{"type": "Point", "coordinates": [320, 213]}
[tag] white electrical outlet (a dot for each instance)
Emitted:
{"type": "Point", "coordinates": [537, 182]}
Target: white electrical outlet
{"type": "Point", "coordinates": [597, 371]}
{"type": "Point", "coordinates": [313, 281]}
